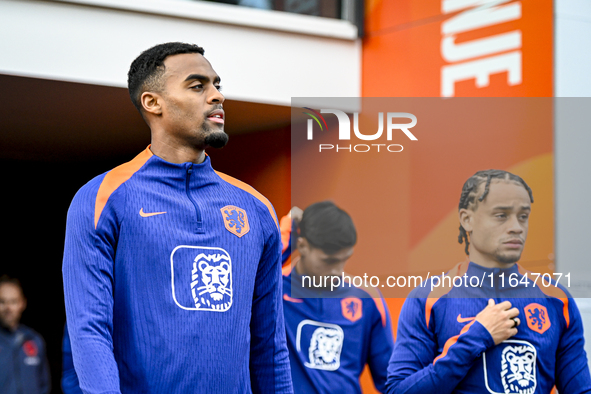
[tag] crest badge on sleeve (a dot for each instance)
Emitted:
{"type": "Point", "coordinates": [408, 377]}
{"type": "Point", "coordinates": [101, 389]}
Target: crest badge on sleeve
{"type": "Point", "coordinates": [352, 308]}
{"type": "Point", "coordinates": [537, 318]}
{"type": "Point", "coordinates": [235, 220]}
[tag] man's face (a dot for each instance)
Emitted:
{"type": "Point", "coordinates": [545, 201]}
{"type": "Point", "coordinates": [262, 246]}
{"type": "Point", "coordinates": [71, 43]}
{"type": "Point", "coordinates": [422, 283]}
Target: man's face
{"type": "Point", "coordinates": [498, 227]}
{"type": "Point", "coordinates": [192, 111]}
{"type": "Point", "coordinates": [315, 262]}
{"type": "Point", "coordinates": [12, 305]}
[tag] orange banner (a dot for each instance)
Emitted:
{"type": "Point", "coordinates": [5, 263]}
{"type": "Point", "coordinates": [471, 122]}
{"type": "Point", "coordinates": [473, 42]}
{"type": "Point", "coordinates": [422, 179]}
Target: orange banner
{"type": "Point", "coordinates": [458, 48]}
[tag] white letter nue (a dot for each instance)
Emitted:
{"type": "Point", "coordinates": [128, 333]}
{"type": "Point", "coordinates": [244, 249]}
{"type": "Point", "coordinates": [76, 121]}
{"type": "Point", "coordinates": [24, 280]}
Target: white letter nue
{"type": "Point", "coordinates": [478, 14]}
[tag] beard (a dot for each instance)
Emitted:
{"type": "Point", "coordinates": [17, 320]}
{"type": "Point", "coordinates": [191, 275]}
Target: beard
{"type": "Point", "coordinates": [507, 259]}
{"type": "Point", "coordinates": [216, 139]}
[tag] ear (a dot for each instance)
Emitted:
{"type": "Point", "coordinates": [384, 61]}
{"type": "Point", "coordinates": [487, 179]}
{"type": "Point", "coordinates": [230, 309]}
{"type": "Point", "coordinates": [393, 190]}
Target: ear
{"type": "Point", "coordinates": [151, 103]}
{"type": "Point", "coordinates": [466, 218]}
{"type": "Point", "coordinates": [303, 246]}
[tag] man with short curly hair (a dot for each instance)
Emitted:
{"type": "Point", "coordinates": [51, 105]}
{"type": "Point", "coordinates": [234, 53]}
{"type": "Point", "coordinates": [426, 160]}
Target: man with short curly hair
{"type": "Point", "coordinates": [172, 271]}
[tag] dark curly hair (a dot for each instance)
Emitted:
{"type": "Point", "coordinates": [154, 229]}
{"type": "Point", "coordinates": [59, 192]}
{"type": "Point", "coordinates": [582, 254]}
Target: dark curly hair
{"type": "Point", "coordinates": [328, 227]}
{"type": "Point", "coordinates": [145, 72]}
{"type": "Point", "coordinates": [470, 189]}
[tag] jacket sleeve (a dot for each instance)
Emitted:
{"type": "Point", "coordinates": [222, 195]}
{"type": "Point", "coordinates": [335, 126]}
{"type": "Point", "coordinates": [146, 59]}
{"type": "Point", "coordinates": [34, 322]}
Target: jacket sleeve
{"type": "Point", "coordinates": [89, 254]}
{"type": "Point", "coordinates": [572, 370]}
{"type": "Point", "coordinates": [269, 361]}
{"type": "Point", "coordinates": [414, 369]}
{"type": "Point", "coordinates": [69, 381]}
{"type": "Point", "coordinates": [381, 344]}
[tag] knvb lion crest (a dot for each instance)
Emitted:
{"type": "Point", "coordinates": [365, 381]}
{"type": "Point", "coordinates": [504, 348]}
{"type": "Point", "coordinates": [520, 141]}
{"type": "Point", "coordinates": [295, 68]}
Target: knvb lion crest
{"type": "Point", "coordinates": [537, 318]}
{"type": "Point", "coordinates": [235, 220]}
{"type": "Point", "coordinates": [321, 343]}
{"type": "Point", "coordinates": [211, 282]}
{"type": "Point", "coordinates": [352, 308]}
{"type": "Point", "coordinates": [325, 349]}
{"type": "Point", "coordinates": [518, 369]}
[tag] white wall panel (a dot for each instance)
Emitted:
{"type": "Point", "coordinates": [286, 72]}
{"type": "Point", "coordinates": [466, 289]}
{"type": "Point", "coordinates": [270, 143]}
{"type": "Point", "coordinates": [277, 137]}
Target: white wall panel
{"type": "Point", "coordinates": [84, 43]}
{"type": "Point", "coordinates": [572, 78]}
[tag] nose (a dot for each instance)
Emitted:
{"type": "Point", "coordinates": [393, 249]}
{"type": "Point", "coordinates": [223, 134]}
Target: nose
{"type": "Point", "coordinates": [216, 97]}
{"type": "Point", "coordinates": [335, 270]}
{"type": "Point", "coordinates": [514, 225]}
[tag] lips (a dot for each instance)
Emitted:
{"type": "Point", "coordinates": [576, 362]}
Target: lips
{"type": "Point", "coordinates": [514, 243]}
{"type": "Point", "coordinates": [216, 116]}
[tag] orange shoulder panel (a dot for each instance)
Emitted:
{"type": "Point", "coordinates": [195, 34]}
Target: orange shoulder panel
{"type": "Point", "coordinates": [451, 341]}
{"type": "Point", "coordinates": [377, 298]}
{"type": "Point", "coordinates": [551, 291]}
{"type": "Point", "coordinates": [251, 190]}
{"type": "Point", "coordinates": [285, 228]}
{"type": "Point", "coordinates": [290, 263]}
{"type": "Point", "coordinates": [115, 178]}
{"type": "Point", "coordinates": [434, 296]}
{"type": "Point", "coordinates": [381, 309]}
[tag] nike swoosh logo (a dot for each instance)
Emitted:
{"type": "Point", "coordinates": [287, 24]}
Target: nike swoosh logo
{"type": "Point", "coordinates": [147, 215]}
{"type": "Point", "coordinates": [288, 298]}
{"type": "Point", "coordinates": [464, 319]}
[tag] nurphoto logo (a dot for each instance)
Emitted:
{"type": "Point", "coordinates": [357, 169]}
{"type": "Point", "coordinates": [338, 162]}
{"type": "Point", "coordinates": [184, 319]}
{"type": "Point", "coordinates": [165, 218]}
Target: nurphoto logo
{"type": "Point", "coordinates": [345, 130]}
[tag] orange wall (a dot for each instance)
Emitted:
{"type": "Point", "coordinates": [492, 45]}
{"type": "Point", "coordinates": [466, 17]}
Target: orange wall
{"type": "Point", "coordinates": [405, 205]}
{"type": "Point", "coordinates": [404, 55]}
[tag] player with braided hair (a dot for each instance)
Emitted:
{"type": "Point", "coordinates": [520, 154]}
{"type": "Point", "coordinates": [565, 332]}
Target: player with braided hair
{"type": "Point", "coordinates": [494, 337]}
{"type": "Point", "coordinates": [472, 185]}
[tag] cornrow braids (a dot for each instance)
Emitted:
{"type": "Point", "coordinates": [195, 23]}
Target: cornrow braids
{"type": "Point", "coordinates": [470, 189]}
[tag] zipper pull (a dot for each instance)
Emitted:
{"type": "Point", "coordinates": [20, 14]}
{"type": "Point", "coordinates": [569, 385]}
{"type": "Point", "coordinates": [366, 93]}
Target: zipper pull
{"type": "Point", "coordinates": [190, 169]}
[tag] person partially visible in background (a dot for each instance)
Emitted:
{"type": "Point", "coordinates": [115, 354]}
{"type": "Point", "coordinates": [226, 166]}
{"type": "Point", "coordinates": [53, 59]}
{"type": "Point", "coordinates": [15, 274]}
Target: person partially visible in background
{"type": "Point", "coordinates": [23, 363]}
{"type": "Point", "coordinates": [332, 334]}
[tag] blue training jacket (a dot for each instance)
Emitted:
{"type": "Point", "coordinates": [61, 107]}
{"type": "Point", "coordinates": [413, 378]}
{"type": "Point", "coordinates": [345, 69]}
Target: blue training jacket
{"type": "Point", "coordinates": [331, 336]}
{"type": "Point", "coordinates": [441, 349]}
{"type": "Point", "coordinates": [69, 381]}
{"type": "Point", "coordinates": [172, 283]}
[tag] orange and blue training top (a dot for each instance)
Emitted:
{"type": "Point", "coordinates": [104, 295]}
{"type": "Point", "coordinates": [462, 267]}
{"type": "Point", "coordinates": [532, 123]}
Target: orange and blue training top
{"type": "Point", "coordinates": [172, 283]}
{"type": "Point", "coordinates": [332, 335]}
{"type": "Point", "coordinates": [440, 348]}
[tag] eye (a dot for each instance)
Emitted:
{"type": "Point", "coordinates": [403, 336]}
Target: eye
{"type": "Point", "coordinates": [219, 88]}
{"type": "Point", "coordinates": [500, 216]}
{"type": "Point", "coordinates": [197, 87]}
{"type": "Point", "coordinates": [524, 216]}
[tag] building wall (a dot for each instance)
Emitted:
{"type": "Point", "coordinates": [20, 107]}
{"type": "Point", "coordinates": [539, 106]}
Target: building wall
{"type": "Point", "coordinates": [262, 56]}
{"type": "Point", "coordinates": [572, 139]}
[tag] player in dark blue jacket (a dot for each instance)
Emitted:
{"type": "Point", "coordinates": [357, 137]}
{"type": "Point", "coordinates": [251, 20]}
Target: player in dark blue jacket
{"type": "Point", "coordinates": [172, 271]}
{"type": "Point", "coordinates": [495, 328]}
{"type": "Point", "coordinates": [331, 335]}
{"type": "Point", "coordinates": [23, 360]}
